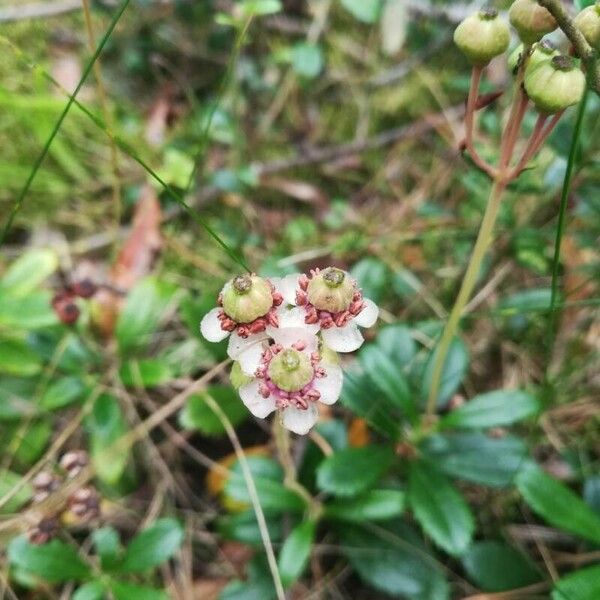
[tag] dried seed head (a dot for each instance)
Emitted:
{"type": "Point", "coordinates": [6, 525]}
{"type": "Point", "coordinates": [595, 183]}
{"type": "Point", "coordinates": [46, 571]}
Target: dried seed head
{"type": "Point", "coordinates": [84, 503]}
{"type": "Point", "coordinates": [531, 20]}
{"type": "Point", "coordinates": [554, 84]}
{"type": "Point", "coordinates": [65, 308]}
{"type": "Point", "coordinates": [85, 288]}
{"type": "Point", "coordinates": [246, 298]}
{"type": "Point", "coordinates": [44, 531]}
{"type": "Point", "coordinates": [74, 461]}
{"type": "Point", "coordinates": [482, 36]}
{"type": "Point", "coordinates": [588, 22]}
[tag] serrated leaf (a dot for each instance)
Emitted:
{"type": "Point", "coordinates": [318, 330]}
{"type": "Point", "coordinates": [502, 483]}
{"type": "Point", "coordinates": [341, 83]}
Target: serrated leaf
{"type": "Point", "coordinates": [296, 551]}
{"type": "Point", "coordinates": [62, 392]}
{"type": "Point", "coordinates": [493, 409]}
{"type": "Point", "coordinates": [152, 547]}
{"type": "Point", "coordinates": [495, 566]}
{"type": "Point", "coordinates": [580, 585]}
{"type": "Point", "coordinates": [439, 508]}
{"type": "Point", "coordinates": [557, 504]}
{"type": "Point", "coordinates": [476, 457]}
{"type": "Point", "coordinates": [353, 470]}
{"type": "Point", "coordinates": [55, 561]}
{"type": "Point", "coordinates": [375, 505]}
{"type": "Point", "coordinates": [28, 271]}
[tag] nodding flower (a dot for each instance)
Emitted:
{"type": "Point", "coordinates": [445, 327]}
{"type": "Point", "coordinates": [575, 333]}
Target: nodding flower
{"type": "Point", "coordinates": [247, 305]}
{"type": "Point", "coordinates": [328, 300]}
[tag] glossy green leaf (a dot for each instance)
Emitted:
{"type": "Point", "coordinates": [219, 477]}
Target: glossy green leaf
{"type": "Point", "coordinates": [55, 561]}
{"type": "Point", "coordinates": [398, 344]}
{"type": "Point", "coordinates": [307, 60]}
{"type": "Point", "coordinates": [557, 504]}
{"type": "Point", "coordinates": [371, 273]}
{"type": "Point", "coordinates": [30, 312]}
{"type": "Point", "coordinates": [274, 497]}
{"type": "Point", "coordinates": [374, 505]}
{"type": "Point", "coordinates": [591, 492]}
{"type": "Point", "coordinates": [152, 547]}
{"type": "Point", "coordinates": [260, 7]}
{"type": "Point", "coordinates": [107, 425]}
{"type": "Point", "coordinates": [28, 272]}
{"type": "Point", "coordinates": [393, 561]}
{"type": "Point", "coordinates": [580, 585]}
{"type": "Point", "coordinates": [198, 415]}
{"type": "Point", "coordinates": [351, 471]}
{"type": "Point", "coordinates": [8, 480]}
{"type": "Point", "coordinates": [476, 457]}
{"type": "Point", "coordinates": [62, 392]}
{"type": "Point", "coordinates": [93, 590]}
{"type": "Point", "coordinates": [144, 308]}
{"type": "Point", "coordinates": [295, 552]}
{"type": "Point", "coordinates": [146, 373]}
{"type": "Point", "coordinates": [18, 359]}
{"type": "Point", "coordinates": [494, 409]}
{"type": "Point", "coordinates": [366, 11]}
{"type": "Point", "coordinates": [455, 368]}
{"type": "Point", "coordinates": [243, 527]}
{"type": "Point", "coordinates": [132, 591]}
{"type": "Point", "coordinates": [440, 509]}
{"type": "Point", "coordinates": [258, 584]}
{"type": "Point", "coordinates": [108, 546]}
{"type": "Point", "coordinates": [495, 566]}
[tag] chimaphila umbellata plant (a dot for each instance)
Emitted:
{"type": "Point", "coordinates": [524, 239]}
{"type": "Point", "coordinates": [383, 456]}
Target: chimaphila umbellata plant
{"type": "Point", "coordinates": [544, 78]}
{"type": "Point", "coordinates": [284, 333]}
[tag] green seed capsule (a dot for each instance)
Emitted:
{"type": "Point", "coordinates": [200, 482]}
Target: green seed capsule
{"type": "Point", "coordinates": [540, 51]}
{"type": "Point", "coordinates": [554, 84]}
{"type": "Point", "coordinates": [246, 298]}
{"type": "Point", "coordinates": [531, 20]}
{"type": "Point", "coordinates": [331, 290]}
{"type": "Point", "coordinates": [291, 370]}
{"type": "Point", "coordinates": [482, 36]}
{"type": "Point", "coordinates": [588, 22]}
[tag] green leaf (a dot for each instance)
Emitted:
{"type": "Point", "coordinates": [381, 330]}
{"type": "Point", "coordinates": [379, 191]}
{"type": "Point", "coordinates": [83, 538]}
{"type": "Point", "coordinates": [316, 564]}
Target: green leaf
{"type": "Point", "coordinates": [393, 26]}
{"type": "Point", "coordinates": [28, 272]}
{"type": "Point", "coordinates": [144, 309]}
{"type": "Point", "coordinates": [146, 373]}
{"type": "Point", "coordinates": [398, 344]}
{"type": "Point", "coordinates": [274, 497]}
{"type": "Point", "coordinates": [591, 492]}
{"type": "Point", "coordinates": [244, 528]}
{"type": "Point", "coordinates": [260, 7]}
{"type": "Point", "coordinates": [108, 546]}
{"type": "Point", "coordinates": [580, 585]}
{"type": "Point", "coordinates": [198, 415]}
{"type": "Point", "coordinates": [152, 547]}
{"type": "Point", "coordinates": [133, 591]}
{"type": "Point", "coordinates": [351, 471]}
{"type": "Point", "coordinates": [371, 273]}
{"type": "Point", "coordinates": [393, 560]}
{"type": "Point", "coordinates": [296, 551]}
{"type": "Point", "coordinates": [366, 11]}
{"type": "Point", "coordinates": [495, 566]}
{"type": "Point", "coordinates": [94, 590]}
{"type": "Point", "coordinates": [455, 368]}
{"type": "Point", "coordinates": [257, 586]}
{"type": "Point", "coordinates": [18, 359]}
{"type": "Point", "coordinates": [375, 505]}
{"type": "Point", "coordinates": [55, 561]}
{"type": "Point", "coordinates": [307, 59]}
{"type": "Point", "coordinates": [440, 509]}
{"type": "Point", "coordinates": [8, 480]}
{"type": "Point", "coordinates": [15, 398]}
{"type": "Point", "coordinates": [106, 425]}
{"type": "Point", "coordinates": [387, 378]}
{"type": "Point", "coordinates": [61, 393]}
{"type": "Point", "coordinates": [30, 312]}
{"type": "Point", "coordinates": [557, 504]}
{"type": "Point", "coordinates": [476, 457]}
{"type": "Point", "coordinates": [494, 409]}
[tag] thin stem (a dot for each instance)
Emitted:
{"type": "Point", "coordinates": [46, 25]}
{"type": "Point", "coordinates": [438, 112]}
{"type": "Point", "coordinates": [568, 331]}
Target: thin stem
{"type": "Point", "coordinates": [564, 196]}
{"type": "Point", "coordinates": [108, 120]}
{"type": "Point", "coordinates": [529, 151]}
{"type": "Point", "coordinates": [468, 283]}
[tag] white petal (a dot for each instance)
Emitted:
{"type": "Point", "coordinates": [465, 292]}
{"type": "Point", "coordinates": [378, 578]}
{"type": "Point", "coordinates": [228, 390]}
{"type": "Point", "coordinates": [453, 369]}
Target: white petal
{"type": "Point", "coordinates": [294, 317]}
{"type": "Point", "coordinates": [368, 315]}
{"type": "Point", "coordinates": [247, 351]}
{"type": "Point", "coordinates": [260, 407]}
{"type": "Point", "coordinates": [210, 326]}
{"type": "Point", "coordinates": [290, 335]}
{"type": "Point", "coordinates": [287, 287]}
{"type": "Point", "coordinates": [343, 339]}
{"type": "Point", "coordinates": [300, 421]}
{"type": "Point", "coordinates": [331, 385]}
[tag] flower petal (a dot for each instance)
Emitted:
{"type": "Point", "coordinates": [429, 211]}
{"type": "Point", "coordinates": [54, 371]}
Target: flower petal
{"type": "Point", "coordinates": [368, 315]}
{"type": "Point", "coordinates": [247, 351]}
{"type": "Point", "coordinates": [330, 386]}
{"type": "Point", "coordinates": [210, 326]}
{"type": "Point", "coordinates": [290, 335]}
{"type": "Point", "coordinates": [287, 287]}
{"type": "Point", "coordinates": [260, 407]}
{"type": "Point", "coordinates": [300, 421]}
{"type": "Point", "coordinates": [343, 339]}
{"type": "Point", "coordinates": [294, 317]}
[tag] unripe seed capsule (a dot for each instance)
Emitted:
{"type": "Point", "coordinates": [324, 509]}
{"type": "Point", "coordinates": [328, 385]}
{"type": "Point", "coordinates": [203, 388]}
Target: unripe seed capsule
{"type": "Point", "coordinates": [482, 36]}
{"type": "Point", "coordinates": [531, 20]}
{"type": "Point", "coordinates": [246, 298]}
{"type": "Point", "coordinates": [588, 22]}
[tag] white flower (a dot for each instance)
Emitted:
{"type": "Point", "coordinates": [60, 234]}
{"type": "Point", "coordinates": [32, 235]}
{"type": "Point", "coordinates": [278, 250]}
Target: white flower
{"type": "Point", "coordinates": [247, 306]}
{"type": "Point", "coordinates": [331, 301]}
{"type": "Point", "coordinates": [292, 376]}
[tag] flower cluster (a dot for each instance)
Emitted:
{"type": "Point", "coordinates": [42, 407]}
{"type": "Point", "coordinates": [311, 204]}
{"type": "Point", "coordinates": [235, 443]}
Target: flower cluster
{"type": "Point", "coordinates": [283, 336]}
